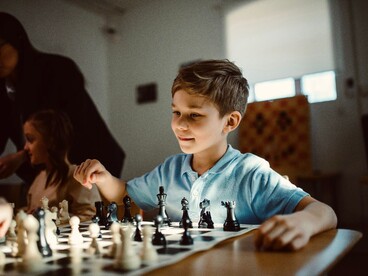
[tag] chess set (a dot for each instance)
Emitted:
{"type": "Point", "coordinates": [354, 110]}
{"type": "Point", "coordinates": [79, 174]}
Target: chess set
{"type": "Point", "coordinates": [108, 246]}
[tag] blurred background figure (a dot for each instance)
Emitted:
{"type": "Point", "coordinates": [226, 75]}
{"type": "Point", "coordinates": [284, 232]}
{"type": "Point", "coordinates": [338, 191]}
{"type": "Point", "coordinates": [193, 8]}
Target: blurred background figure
{"type": "Point", "coordinates": [48, 136]}
{"type": "Point", "coordinates": [31, 81]}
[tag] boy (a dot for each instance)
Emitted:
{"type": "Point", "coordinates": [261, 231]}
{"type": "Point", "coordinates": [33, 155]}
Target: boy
{"type": "Point", "coordinates": [208, 102]}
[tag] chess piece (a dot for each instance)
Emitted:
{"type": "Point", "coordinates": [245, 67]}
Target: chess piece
{"type": "Point", "coordinates": [94, 231]}
{"type": "Point", "coordinates": [137, 233]}
{"type": "Point", "coordinates": [186, 238]}
{"type": "Point", "coordinates": [32, 258]}
{"type": "Point", "coordinates": [158, 238]}
{"type": "Point", "coordinates": [127, 259]}
{"type": "Point", "coordinates": [127, 205]}
{"type": "Point", "coordinates": [42, 244]}
{"type": "Point", "coordinates": [184, 208]}
{"type": "Point", "coordinates": [51, 228]}
{"type": "Point", "coordinates": [149, 253]}
{"type": "Point", "coordinates": [161, 196]}
{"type": "Point", "coordinates": [64, 212]}
{"type": "Point", "coordinates": [111, 216]}
{"type": "Point", "coordinates": [99, 217]}
{"type": "Point", "coordinates": [21, 233]}
{"type": "Point", "coordinates": [231, 223]}
{"type": "Point", "coordinates": [205, 220]}
{"type": "Point", "coordinates": [56, 219]}
{"type": "Point", "coordinates": [75, 237]}
{"type": "Point", "coordinates": [45, 203]}
{"type": "Point", "coordinates": [11, 235]}
{"type": "Point", "coordinates": [116, 239]}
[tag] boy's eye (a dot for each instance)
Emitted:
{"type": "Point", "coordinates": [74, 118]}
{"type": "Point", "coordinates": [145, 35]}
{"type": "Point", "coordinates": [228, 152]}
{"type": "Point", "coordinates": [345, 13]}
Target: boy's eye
{"type": "Point", "coordinates": [177, 113]}
{"type": "Point", "coordinates": [194, 115]}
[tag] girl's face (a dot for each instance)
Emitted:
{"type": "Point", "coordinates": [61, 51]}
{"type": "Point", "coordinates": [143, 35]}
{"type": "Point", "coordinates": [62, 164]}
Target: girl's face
{"type": "Point", "coordinates": [35, 146]}
{"type": "Point", "coordinates": [197, 124]}
{"type": "Point", "coordinates": [8, 59]}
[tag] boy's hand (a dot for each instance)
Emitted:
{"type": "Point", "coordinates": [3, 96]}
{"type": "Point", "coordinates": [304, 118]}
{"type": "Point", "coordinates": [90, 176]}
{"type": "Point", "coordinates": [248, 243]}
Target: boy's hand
{"type": "Point", "coordinates": [90, 172]}
{"type": "Point", "coordinates": [283, 232]}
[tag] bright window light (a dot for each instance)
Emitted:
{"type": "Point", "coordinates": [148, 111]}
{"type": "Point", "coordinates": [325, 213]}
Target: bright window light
{"type": "Point", "coordinates": [319, 87]}
{"type": "Point", "coordinates": [270, 90]}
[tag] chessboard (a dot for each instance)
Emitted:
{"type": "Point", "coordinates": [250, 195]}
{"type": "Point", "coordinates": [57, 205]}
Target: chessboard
{"type": "Point", "coordinates": [68, 260]}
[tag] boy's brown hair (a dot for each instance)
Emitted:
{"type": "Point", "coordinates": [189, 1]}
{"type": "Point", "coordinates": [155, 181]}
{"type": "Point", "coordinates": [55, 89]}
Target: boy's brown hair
{"type": "Point", "coordinates": [221, 81]}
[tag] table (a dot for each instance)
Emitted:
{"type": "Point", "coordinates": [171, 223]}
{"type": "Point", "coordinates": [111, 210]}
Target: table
{"type": "Point", "coordinates": [238, 256]}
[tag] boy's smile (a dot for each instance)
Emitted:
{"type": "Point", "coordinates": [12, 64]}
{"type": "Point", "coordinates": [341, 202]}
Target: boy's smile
{"type": "Point", "coordinates": [197, 124]}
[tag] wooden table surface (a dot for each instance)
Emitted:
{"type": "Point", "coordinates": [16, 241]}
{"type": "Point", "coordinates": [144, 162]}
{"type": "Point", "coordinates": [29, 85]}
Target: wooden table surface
{"type": "Point", "coordinates": [238, 256]}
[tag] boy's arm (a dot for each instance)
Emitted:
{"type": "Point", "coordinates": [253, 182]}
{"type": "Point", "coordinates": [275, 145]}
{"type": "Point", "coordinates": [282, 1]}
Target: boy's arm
{"type": "Point", "coordinates": [293, 231]}
{"type": "Point", "coordinates": [93, 172]}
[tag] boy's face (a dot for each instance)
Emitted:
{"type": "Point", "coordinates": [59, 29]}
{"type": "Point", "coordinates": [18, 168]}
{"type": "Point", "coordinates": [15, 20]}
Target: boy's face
{"type": "Point", "coordinates": [197, 124]}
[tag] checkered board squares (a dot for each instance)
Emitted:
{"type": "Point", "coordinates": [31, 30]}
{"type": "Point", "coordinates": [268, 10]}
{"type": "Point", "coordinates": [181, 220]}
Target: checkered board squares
{"type": "Point", "coordinates": [279, 131]}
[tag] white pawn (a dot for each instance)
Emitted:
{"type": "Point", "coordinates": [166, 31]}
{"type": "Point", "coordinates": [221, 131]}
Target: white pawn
{"type": "Point", "coordinates": [11, 235]}
{"type": "Point", "coordinates": [127, 259]}
{"type": "Point", "coordinates": [45, 203]}
{"type": "Point", "coordinates": [50, 228]}
{"type": "Point", "coordinates": [32, 258]}
{"type": "Point", "coordinates": [116, 239]}
{"type": "Point", "coordinates": [21, 233]}
{"type": "Point", "coordinates": [149, 253]}
{"type": "Point", "coordinates": [64, 212]}
{"type": "Point", "coordinates": [75, 237]}
{"type": "Point", "coordinates": [55, 211]}
{"type": "Point", "coordinates": [94, 231]}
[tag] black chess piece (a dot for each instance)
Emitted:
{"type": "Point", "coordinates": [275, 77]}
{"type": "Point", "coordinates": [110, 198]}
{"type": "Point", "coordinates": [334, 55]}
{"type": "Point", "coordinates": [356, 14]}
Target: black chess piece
{"type": "Point", "coordinates": [205, 220]}
{"type": "Point", "coordinates": [127, 215]}
{"type": "Point", "coordinates": [42, 244]}
{"type": "Point", "coordinates": [99, 217]}
{"type": "Point", "coordinates": [161, 196]}
{"type": "Point", "coordinates": [158, 238]}
{"type": "Point", "coordinates": [184, 204]}
{"type": "Point", "coordinates": [186, 238]}
{"type": "Point", "coordinates": [137, 233]}
{"type": "Point", "coordinates": [111, 216]}
{"type": "Point", "coordinates": [231, 223]}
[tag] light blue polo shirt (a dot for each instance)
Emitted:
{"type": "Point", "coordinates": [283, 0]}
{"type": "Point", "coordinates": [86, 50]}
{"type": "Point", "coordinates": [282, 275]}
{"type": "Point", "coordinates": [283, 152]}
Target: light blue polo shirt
{"type": "Point", "coordinates": [259, 192]}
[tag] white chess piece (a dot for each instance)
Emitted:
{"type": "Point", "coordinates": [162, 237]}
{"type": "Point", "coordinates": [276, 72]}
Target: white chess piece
{"type": "Point", "coordinates": [75, 237]}
{"type": "Point", "coordinates": [127, 258]}
{"type": "Point", "coordinates": [116, 239]}
{"type": "Point", "coordinates": [32, 258]}
{"type": "Point", "coordinates": [94, 231]}
{"type": "Point", "coordinates": [55, 211]}
{"type": "Point", "coordinates": [45, 203]}
{"type": "Point", "coordinates": [21, 233]}
{"type": "Point", "coordinates": [11, 235]}
{"type": "Point", "coordinates": [149, 253]}
{"type": "Point", "coordinates": [64, 212]}
{"type": "Point", "coordinates": [50, 228]}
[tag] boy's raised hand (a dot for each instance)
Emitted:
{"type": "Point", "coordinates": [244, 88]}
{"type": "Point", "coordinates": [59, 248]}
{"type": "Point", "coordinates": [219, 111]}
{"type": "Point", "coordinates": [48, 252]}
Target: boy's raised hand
{"type": "Point", "coordinates": [90, 172]}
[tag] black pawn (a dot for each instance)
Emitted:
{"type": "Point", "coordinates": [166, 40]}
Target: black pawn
{"type": "Point", "coordinates": [158, 238]}
{"type": "Point", "coordinates": [231, 222]}
{"type": "Point", "coordinates": [137, 233]}
{"type": "Point", "coordinates": [99, 217]}
{"type": "Point", "coordinates": [185, 216]}
{"type": "Point", "coordinates": [111, 216]}
{"type": "Point", "coordinates": [186, 238]}
{"type": "Point", "coordinates": [127, 215]}
{"type": "Point", "coordinates": [42, 244]}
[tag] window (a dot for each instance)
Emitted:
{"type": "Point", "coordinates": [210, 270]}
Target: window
{"type": "Point", "coordinates": [270, 90]}
{"type": "Point", "coordinates": [284, 48]}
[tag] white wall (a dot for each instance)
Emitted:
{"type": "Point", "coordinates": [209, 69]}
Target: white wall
{"type": "Point", "coordinates": [155, 40]}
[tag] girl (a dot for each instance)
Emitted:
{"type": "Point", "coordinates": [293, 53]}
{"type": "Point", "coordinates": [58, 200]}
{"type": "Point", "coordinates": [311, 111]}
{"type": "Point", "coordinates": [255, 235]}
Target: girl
{"type": "Point", "coordinates": [48, 136]}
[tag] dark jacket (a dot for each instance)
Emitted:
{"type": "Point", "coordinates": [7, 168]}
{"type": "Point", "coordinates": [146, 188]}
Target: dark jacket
{"type": "Point", "coordinates": [47, 81]}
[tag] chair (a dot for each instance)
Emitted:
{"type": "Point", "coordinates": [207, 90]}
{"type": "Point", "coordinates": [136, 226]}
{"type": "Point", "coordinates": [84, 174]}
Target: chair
{"type": "Point", "coordinates": [279, 131]}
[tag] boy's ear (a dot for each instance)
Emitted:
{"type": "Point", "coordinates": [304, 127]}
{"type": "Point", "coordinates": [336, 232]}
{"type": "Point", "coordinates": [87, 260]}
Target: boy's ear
{"type": "Point", "coordinates": [233, 121]}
